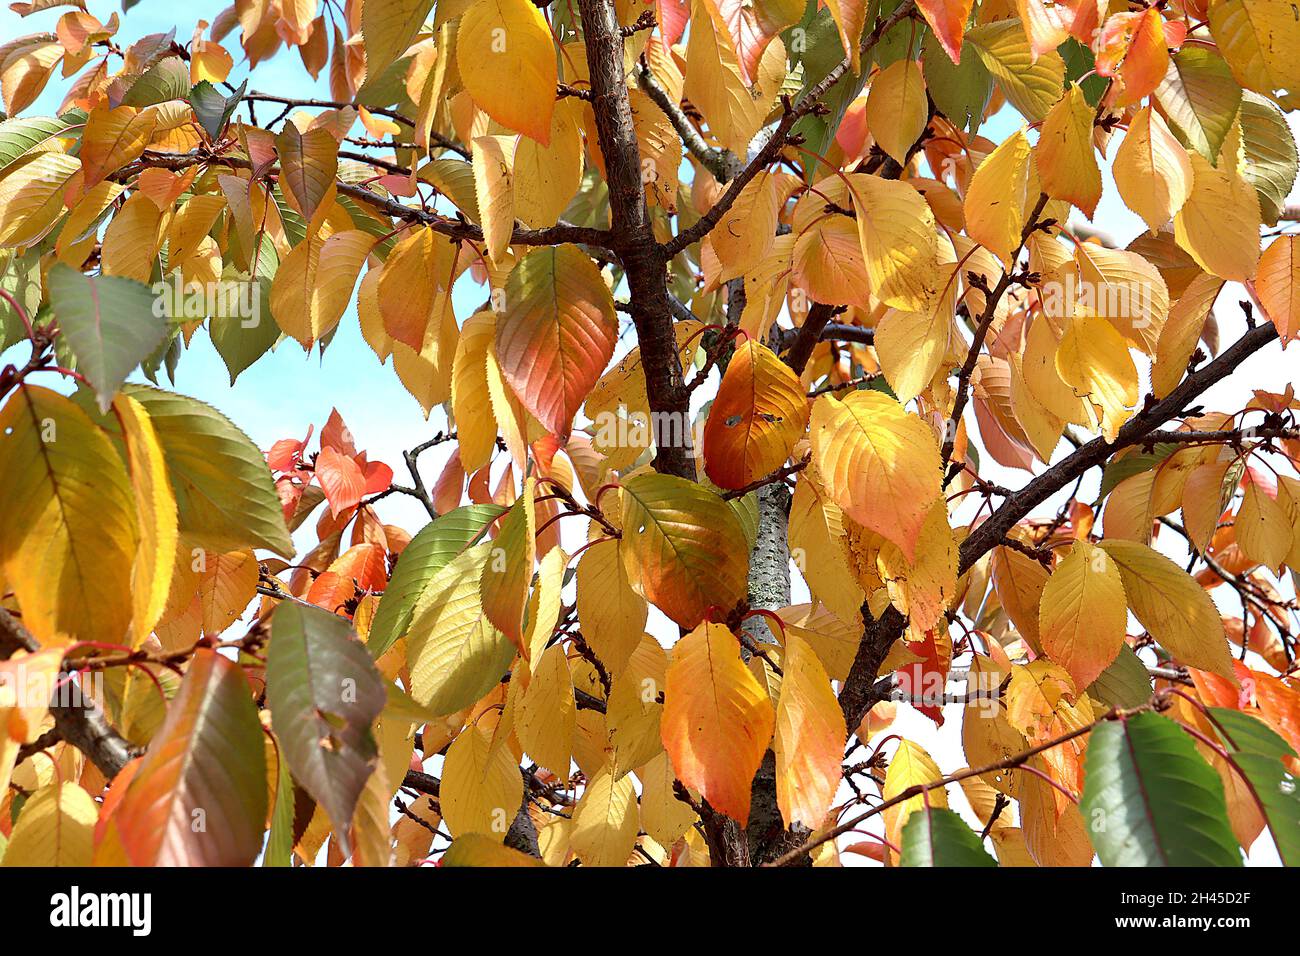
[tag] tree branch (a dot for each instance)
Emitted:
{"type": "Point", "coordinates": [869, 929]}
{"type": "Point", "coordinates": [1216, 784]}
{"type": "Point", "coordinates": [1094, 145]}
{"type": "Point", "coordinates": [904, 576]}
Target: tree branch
{"type": "Point", "coordinates": [780, 136]}
{"type": "Point", "coordinates": [722, 163]}
{"type": "Point", "coordinates": [1095, 452]}
{"type": "Point", "coordinates": [84, 725]}
{"type": "Point", "coordinates": [633, 240]}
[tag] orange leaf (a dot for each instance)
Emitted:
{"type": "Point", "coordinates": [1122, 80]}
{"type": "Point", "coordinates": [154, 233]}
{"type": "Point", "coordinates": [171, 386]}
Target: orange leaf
{"type": "Point", "coordinates": [810, 737]}
{"type": "Point", "coordinates": [557, 333]}
{"type": "Point", "coordinates": [760, 411]}
{"type": "Point", "coordinates": [717, 719]}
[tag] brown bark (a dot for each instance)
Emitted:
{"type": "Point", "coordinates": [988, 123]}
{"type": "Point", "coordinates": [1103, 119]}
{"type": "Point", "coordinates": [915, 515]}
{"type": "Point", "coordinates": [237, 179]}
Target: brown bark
{"type": "Point", "coordinates": [634, 242]}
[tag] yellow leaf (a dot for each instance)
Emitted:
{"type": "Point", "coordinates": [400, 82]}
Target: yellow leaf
{"type": "Point", "coordinates": [996, 199]}
{"type": "Point", "coordinates": [911, 345]}
{"type": "Point", "coordinates": [878, 463]}
{"type": "Point", "coordinates": [896, 109]}
{"type": "Point", "coordinates": [815, 529]}
{"type": "Point", "coordinates": [547, 715]}
{"type": "Point", "coordinates": [1152, 170]}
{"type": "Point", "coordinates": [227, 583]}
{"type": "Point", "coordinates": [910, 766]}
{"type": "Point", "coordinates": [663, 816]}
{"type": "Point", "coordinates": [388, 29]}
{"type": "Point", "coordinates": [922, 585]}
{"type": "Point", "coordinates": [605, 822]}
{"type": "Point", "coordinates": [1182, 330]}
{"type": "Point", "coordinates": [810, 737]}
{"type": "Point", "coordinates": [1259, 40]}
{"type": "Point", "coordinates": [1219, 224]}
{"type": "Point", "coordinates": [509, 571]}
{"type": "Point", "coordinates": [410, 283]}
{"type": "Point", "coordinates": [155, 506]}
{"type": "Point", "coordinates": [759, 412]}
{"type": "Point", "coordinates": [494, 189]}
{"type": "Point", "coordinates": [850, 17]}
{"type": "Point", "coordinates": [372, 323]}
{"type": "Point", "coordinates": [482, 787]}
{"type": "Point", "coordinates": [1083, 614]}
{"type": "Point", "coordinates": [1094, 360]}
{"type": "Point", "coordinates": [313, 285]}
{"type": "Point", "coordinates": [1019, 581]}
{"type": "Point", "coordinates": [546, 177]}
{"type": "Point", "coordinates": [31, 197]}
{"type": "Point", "coordinates": [1031, 83]}
{"type": "Point", "coordinates": [112, 139]}
{"type": "Point", "coordinates": [67, 552]}
{"type": "Point", "coordinates": [716, 85]}
{"type": "Point", "coordinates": [476, 428]}
{"type": "Point", "coordinates": [900, 241]}
{"type": "Point", "coordinates": [1037, 692]}
{"type": "Point", "coordinates": [613, 615]}
{"type": "Point", "coordinates": [56, 828]}
{"type": "Point", "coordinates": [633, 710]}
{"type": "Point", "coordinates": [475, 849]}
{"type": "Point", "coordinates": [747, 231]}
{"type": "Point", "coordinates": [506, 59]}
{"type": "Point", "coordinates": [1067, 165]}
{"type": "Point", "coordinates": [454, 653]}
{"type": "Point", "coordinates": [717, 719]}
{"type": "Point", "coordinates": [426, 374]}
{"type": "Point", "coordinates": [1169, 603]}
{"type": "Point", "coordinates": [22, 714]}
{"type": "Point", "coordinates": [1125, 289]}
{"type": "Point", "coordinates": [133, 238]}
{"type": "Point", "coordinates": [1262, 526]}
{"type": "Point", "coordinates": [1278, 288]}
{"type": "Point", "coordinates": [1041, 426]}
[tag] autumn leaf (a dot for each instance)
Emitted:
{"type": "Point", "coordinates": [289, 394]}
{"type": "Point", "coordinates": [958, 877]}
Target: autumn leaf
{"type": "Point", "coordinates": [717, 719]}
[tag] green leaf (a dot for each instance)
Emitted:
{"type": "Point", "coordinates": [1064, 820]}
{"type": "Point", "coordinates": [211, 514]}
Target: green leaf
{"type": "Point", "coordinates": [1271, 161]}
{"type": "Point", "coordinates": [225, 497]}
{"type": "Point", "coordinates": [1200, 99]}
{"type": "Point", "coordinates": [1134, 463]}
{"type": "Point", "coordinates": [206, 764]}
{"type": "Point", "coordinates": [241, 340]}
{"type": "Point", "coordinates": [324, 694]}
{"type": "Point", "coordinates": [23, 134]}
{"type": "Point", "coordinates": [934, 836]}
{"type": "Point", "coordinates": [20, 276]}
{"type": "Point", "coordinates": [168, 79]}
{"type": "Point", "coordinates": [818, 50]}
{"type": "Point", "coordinates": [212, 108]}
{"type": "Point", "coordinates": [1079, 69]}
{"type": "Point", "coordinates": [454, 652]}
{"type": "Point", "coordinates": [1125, 683]}
{"type": "Point", "coordinates": [426, 554]}
{"type": "Point", "coordinates": [1031, 84]}
{"type": "Point", "coordinates": [388, 30]}
{"type": "Point", "coordinates": [110, 325]}
{"type": "Point", "coordinates": [279, 841]}
{"type": "Point", "coordinates": [1259, 752]}
{"type": "Point", "coordinates": [1149, 799]}
{"type": "Point", "coordinates": [961, 91]}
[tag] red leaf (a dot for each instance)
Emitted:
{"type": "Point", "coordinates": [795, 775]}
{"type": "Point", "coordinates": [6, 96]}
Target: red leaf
{"type": "Point", "coordinates": [336, 435]}
{"type": "Point", "coordinates": [341, 478]}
